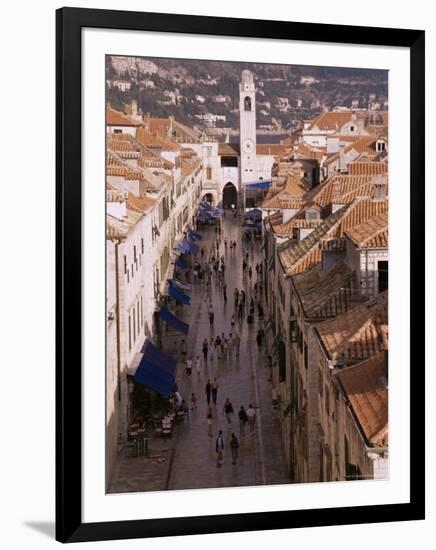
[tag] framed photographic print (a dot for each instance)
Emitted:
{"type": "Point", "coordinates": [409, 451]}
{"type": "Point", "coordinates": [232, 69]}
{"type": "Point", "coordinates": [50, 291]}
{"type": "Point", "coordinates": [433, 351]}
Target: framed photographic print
{"type": "Point", "coordinates": [240, 246]}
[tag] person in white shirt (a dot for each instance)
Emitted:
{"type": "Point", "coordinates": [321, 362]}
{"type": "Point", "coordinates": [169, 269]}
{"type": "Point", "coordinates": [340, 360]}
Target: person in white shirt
{"type": "Point", "coordinates": [251, 414]}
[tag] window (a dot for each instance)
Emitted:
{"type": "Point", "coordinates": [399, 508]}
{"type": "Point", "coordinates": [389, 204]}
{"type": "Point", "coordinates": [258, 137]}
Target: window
{"type": "Point", "coordinates": [125, 264]}
{"type": "Point", "coordinates": [247, 104]}
{"type": "Point", "coordinates": [118, 131]}
{"type": "Point", "coordinates": [293, 331]}
{"type": "Point", "coordinates": [351, 128]}
{"type": "Point", "coordinates": [142, 314]}
{"type": "Point", "coordinates": [134, 325]}
{"type": "Point", "coordinates": [130, 333]}
{"type": "Point", "coordinates": [142, 246]}
{"type": "Point", "coordinates": [282, 362]}
{"type": "Point", "coordinates": [382, 272]}
{"type": "Point", "coordinates": [137, 311]}
{"type": "Point", "coordinates": [208, 173]}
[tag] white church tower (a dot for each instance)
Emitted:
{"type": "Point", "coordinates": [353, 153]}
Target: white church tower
{"type": "Point", "coordinates": [247, 128]}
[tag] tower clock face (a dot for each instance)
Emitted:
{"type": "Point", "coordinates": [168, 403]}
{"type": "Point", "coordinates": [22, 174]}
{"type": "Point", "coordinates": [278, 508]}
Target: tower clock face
{"type": "Point", "coordinates": [248, 146]}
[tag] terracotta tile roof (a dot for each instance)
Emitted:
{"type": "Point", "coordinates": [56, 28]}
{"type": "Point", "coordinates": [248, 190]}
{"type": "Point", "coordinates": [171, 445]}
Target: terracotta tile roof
{"type": "Point", "coordinates": [332, 120]}
{"type": "Point", "coordinates": [368, 168]}
{"type": "Point", "coordinates": [295, 223]}
{"type": "Point", "coordinates": [189, 166]}
{"type": "Point", "coordinates": [116, 118]}
{"type": "Point", "coordinates": [365, 387]}
{"type": "Point", "coordinates": [341, 189]}
{"type": "Point", "coordinates": [359, 333]}
{"type": "Point", "coordinates": [303, 150]}
{"type": "Point", "coordinates": [270, 149]}
{"type": "Point", "coordinates": [121, 228]}
{"type": "Point", "coordinates": [324, 294]}
{"type": "Point", "coordinates": [139, 204]}
{"type": "Point", "coordinates": [332, 245]}
{"type": "Point", "coordinates": [307, 253]}
{"type": "Point", "coordinates": [229, 149]}
{"type": "Point", "coordinates": [171, 129]}
{"type": "Point", "coordinates": [371, 234]}
{"type": "Point", "coordinates": [290, 196]}
{"type": "Point", "coordinates": [145, 137]}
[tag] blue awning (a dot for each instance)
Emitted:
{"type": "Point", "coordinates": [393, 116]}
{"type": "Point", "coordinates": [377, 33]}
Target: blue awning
{"type": "Point", "coordinates": [194, 234]}
{"type": "Point", "coordinates": [178, 295]}
{"type": "Point", "coordinates": [255, 213]}
{"type": "Point", "coordinates": [182, 247]}
{"type": "Point", "coordinates": [264, 184]}
{"type": "Point", "coordinates": [181, 263]}
{"type": "Point", "coordinates": [179, 284]}
{"type": "Point", "coordinates": [158, 357]}
{"type": "Point", "coordinates": [173, 321]}
{"type": "Point", "coordinates": [154, 377]}
{"type": "Point", "coordinates": [186, 246]}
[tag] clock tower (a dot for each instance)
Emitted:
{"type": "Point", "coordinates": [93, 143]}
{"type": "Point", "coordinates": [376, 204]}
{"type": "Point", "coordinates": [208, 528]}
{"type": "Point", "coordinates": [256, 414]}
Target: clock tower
{"type": "Point", "coordinates": [247, 128]}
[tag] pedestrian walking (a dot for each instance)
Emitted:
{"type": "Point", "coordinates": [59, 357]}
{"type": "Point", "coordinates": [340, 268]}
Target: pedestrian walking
{"type": "Point", "coordinates": [205, 349]}
{"type": "Point", "coordinates": [219, 448]}
{"type": "Point", "coordinates": [237, 344]}
{"type": "Point", "coordinates": [251, 414]}
{"type": "Point", "coordinates": [236, 295]}
{"type": "Point", "coordinates": [211, 314]}
{"type": "Point", "coordinates": [243, 419]}
{"type": "Point", "coordinates": [193, 402]}
{"type": "Point", "coordinates": [243, 297]}
{"type": "Point", "coordinates": [198, 365]}
{"type": "Point", "coordinates": [234, 448]}
{"type": "Point", "coordinates": [250, 273]}
{"type": "Point", "coordinates": [209, 418]}
{"type": "Point", "coordinates": [217, 346]}
{"type": "Point", "coordinates": [202, 252]}
{"type": "Point", "coordinates": [211, 346]}
{"type": "Point", "coordinates": [232, 322]}
{"type": "Point", "coordinates": [208, 390]}
{"type": "Point", "coordinates": [259, 338]}
{"type": "Point", "coordinates": [240, 310]}
{"type": "Point", "coordinates": [228, 410]}
{"type": "Point", "coordinates": [183, 349]}
{"type": "Point", "coordinates": [214, 388]}
{"type": "Point", "coordinates": [225, 292]}
{"type": "Point", "coordinates": [189, 366]}
{"type": "Point", "coordinates": [225, 244]}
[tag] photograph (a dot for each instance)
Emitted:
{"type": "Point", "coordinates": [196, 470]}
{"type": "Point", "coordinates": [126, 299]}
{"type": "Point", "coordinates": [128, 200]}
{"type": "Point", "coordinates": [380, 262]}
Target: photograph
{"type": "Point", "coordinates": [247, 261]}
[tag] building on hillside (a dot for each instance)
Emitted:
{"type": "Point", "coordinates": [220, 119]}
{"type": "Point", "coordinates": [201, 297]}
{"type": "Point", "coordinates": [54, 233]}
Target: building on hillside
{"type": "Point", "coordinates": [344, 123]}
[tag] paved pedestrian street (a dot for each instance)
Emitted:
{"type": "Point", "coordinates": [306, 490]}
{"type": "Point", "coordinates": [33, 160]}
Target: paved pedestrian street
{"type": "Point", "coordinates": [188, 460]}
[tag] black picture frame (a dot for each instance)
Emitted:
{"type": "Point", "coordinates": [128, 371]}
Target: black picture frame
{"type": "Point", "coordinates": [69, 23]}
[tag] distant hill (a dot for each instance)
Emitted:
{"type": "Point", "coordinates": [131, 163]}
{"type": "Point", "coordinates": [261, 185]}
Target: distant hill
{"type": "Point", "coordinates": [286, 94]}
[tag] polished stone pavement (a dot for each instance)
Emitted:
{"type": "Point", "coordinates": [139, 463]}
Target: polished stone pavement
{"type": "Point", "coordinates": [189, 461]}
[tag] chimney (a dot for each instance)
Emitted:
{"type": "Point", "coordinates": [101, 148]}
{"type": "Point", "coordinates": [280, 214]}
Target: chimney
{"type": "Point", "coordinates": [134, 108]}
{"type": "Point", "coordinates": [170, 127]}
{"type": "Point", "coordinates": [342, 164]}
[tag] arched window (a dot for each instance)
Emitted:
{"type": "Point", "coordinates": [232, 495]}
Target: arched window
{"type": "Point", "coordinates": [247, 103]}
